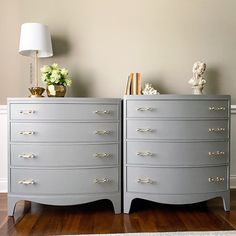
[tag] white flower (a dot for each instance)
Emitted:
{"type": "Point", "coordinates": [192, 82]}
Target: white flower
{"type": "Point", "coordinates": [46, 69]}
{"type": "Point", "coordinates": [64, 72]}
{"type": "Point", "coordinates": [68, 82]}
{"type": "Point", "coordinates": [52, 75]}
{"type": "Point", "coordinates": [54, 66]}
{"type": "Point", "coordinates": [44, 77]}
{"type": "Point", "coordinates": [55, 75]}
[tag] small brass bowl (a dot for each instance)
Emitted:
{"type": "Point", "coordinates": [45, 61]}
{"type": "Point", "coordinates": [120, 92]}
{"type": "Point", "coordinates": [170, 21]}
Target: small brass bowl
{"type": "Point", "coordinates": [36, 92]}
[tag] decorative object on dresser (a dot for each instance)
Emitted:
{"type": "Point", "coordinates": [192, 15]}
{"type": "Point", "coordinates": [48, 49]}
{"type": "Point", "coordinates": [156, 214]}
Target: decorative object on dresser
{"type": "Point", "coordinates": [64, 151]}
{"type": "Point", "coordinates": [197, 81]}
{"type": "Point", "coordinates": [133, 85]}
{"type": "Point", "coordinates": [176, 149]}
{"type": "Point", "coordinates": [56, 79]}
{"type": "Point", "coordinates": [149, 90]}
{"type": "Point", "coordinates": [35, 41]}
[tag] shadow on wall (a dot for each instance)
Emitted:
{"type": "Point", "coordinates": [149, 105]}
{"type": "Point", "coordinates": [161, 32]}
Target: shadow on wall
{"type": "Point", "coordinates": [81, 85]}
{"type": "Point", "coordinates": [212, 77]}
{"type": "Point", "coordinates": [61, 45]}
{"type": "Point", "coordinates": [157, 84]}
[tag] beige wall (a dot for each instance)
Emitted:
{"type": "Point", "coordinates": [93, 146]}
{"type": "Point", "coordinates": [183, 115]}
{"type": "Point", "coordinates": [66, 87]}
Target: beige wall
{"type": "Point", "coordinates": [102, 41]}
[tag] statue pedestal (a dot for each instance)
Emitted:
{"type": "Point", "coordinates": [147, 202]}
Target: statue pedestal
{"type": "Point", "coordinates": [197, 90]}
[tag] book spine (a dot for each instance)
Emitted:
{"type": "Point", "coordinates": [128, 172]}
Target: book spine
{"type": "Point", "coordinates": [139, 79]}
{"type": "Point", "coordinates": [133, 85]}
{"type": "Point", "coordinates": [128, 86]}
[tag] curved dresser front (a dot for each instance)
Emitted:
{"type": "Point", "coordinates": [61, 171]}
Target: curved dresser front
{"type": "Point", "coordinates": [176, 148]}
{"type": "Point", "coordinates": [64, 151]}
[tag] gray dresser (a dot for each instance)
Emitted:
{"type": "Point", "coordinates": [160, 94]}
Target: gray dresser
{"type": "Point", "coordinates": [64, 151]}
{"type": "Point", "coordinates": [176, 149]}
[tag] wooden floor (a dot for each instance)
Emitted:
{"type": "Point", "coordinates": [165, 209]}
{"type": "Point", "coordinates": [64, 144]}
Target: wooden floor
{"type": "Point", "coordinates": [98, 217]}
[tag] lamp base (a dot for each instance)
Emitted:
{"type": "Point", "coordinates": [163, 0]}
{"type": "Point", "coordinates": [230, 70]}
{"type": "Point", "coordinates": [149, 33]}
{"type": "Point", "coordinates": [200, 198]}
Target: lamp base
{"type": "Point", "coordinates": [36, 92]}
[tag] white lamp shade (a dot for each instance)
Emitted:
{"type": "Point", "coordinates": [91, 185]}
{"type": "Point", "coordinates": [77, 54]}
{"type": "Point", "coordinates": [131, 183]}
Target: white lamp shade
{"type": "Point", "coordinates": [35, 37]}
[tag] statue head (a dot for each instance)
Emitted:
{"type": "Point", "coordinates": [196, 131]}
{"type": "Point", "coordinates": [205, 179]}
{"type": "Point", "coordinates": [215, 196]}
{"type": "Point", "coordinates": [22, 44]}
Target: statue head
{"type": "Point", "coordinates": [199, 67]}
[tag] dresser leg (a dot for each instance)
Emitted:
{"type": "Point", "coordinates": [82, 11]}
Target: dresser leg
{"type": "Point", "coordinates": [117, 205]}
{"type": "Point", "coordinates": [226, 201]}
{"type": "Point", "coordinates": [127, 204]}
{"type": "Point", "coordinates": [11, 202]}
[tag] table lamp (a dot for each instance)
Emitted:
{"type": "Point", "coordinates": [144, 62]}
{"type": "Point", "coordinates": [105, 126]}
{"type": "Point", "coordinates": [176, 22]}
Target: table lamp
{"type": "Point", "coordinates": [35, 41]}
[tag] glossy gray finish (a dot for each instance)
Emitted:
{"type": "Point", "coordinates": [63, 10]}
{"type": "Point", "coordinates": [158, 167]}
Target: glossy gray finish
{"type": "Point", "coordinates": [60, 111]}
{"type": "Point", "coordinates": [176, 148]}
{"type": "Point", "coordinates": [64, 132]}
{"type": "Point", "coordinates": [52, 155]}
{"type": "Point", "coordinates": [172, 108]}
{"type": "Point", "coordinates": [64, 181]}
{"type": "Point", "coordinates": [177, 130]}
{"type": "Point", "coordinates": [177, 153]}
{"type": "Point", "coordinates": [166, 180]}
{"type": "Point", "coordinates": [64, 151]}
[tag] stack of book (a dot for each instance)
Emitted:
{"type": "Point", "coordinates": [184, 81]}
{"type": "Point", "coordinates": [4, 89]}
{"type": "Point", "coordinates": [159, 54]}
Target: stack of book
{"type": "Point", "coordinates": [133, 85]}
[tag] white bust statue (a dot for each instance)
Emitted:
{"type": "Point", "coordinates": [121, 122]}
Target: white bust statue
{"type": "Point", "coordinates": [197, 81]}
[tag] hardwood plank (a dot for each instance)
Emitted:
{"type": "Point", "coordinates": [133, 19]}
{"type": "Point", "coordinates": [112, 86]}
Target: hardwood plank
{"type": "Point", "coordinates": [98, 217]}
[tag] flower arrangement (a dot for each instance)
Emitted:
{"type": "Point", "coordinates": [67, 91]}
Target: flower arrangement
{"type": "Point", "coordinates": [53, 75]}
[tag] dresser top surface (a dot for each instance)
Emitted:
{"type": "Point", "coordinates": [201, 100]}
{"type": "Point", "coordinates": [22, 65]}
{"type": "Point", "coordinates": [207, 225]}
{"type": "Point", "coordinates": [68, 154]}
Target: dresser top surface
{"type": "Point", "coordinates": [63, 100]}
{"type": "Point", "coordinates": [176, 97]}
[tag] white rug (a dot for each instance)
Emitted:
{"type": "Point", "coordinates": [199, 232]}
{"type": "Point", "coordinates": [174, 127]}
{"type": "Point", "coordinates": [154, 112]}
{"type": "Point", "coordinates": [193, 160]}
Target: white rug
{"type": "Point", "coordinates": [187, 233]}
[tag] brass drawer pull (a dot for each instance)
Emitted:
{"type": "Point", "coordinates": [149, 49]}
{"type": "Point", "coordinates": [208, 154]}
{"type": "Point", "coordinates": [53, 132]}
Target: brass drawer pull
{"type": "Point", "coordinates": [216, 154]}
{"type": "Point", "coordinates": [27, 182]}
{"type": "Point", "coordinates": [105, 112]}
{"type": "Point", "coordinates": [216, 129]}
{"type": "Point", "coordinates": [102, 132]}
{"type": "Point", "coordinates": [100, 181]}
{"type": "Point", "coordinates": [217, 179]}
{"type": "Point", "coordinates": [26, 156]}
{"type": "Point", "coordinates": [27, 112]}
{"type": "Point", "coordinates": [144, 154]}
{"type": "Point", "coordinates": [26, 132]}
{"type": "Point", "coordinates": [217, 108]}
{"type": "Point", "coordinates": [145, 181]}
{"type": "Point", "coordinates": [144, 109]}
{"type": "Point", "coordinates": [144, 130]}
{"type": "Point", "coordinates": [102, 155]}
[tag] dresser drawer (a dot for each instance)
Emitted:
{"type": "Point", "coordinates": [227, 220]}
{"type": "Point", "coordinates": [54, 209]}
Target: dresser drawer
{"type": "Point", "coordinates": [183, 129]}
{"type": "Point", "coordinates": [177, 108]}
{"type": "Point", "coordinates": [36, 111]}
{"type": "Point", "coordinates": [64, 132]}
{"type": "Point", "coordinates": [177, 180]}
{"type": "Point", "coordinates": [70, 181]}
{"type": "Point", "coordinates": [64, 154]}
{"type": "Point", "coordinates": [177, 153]}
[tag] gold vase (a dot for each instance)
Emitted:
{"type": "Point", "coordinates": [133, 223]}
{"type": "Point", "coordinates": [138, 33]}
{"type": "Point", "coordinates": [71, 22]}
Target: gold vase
{"type": "Point", "coordinates": [56, 90]}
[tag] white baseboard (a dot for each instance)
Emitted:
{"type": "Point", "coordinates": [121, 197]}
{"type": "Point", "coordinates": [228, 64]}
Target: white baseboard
{"type": "Point", "coordinates": [3, 148]}
{"type": "Point", "coordinates": [233, 182]}
{"type": "Point", "coordinates": [3, 185]}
